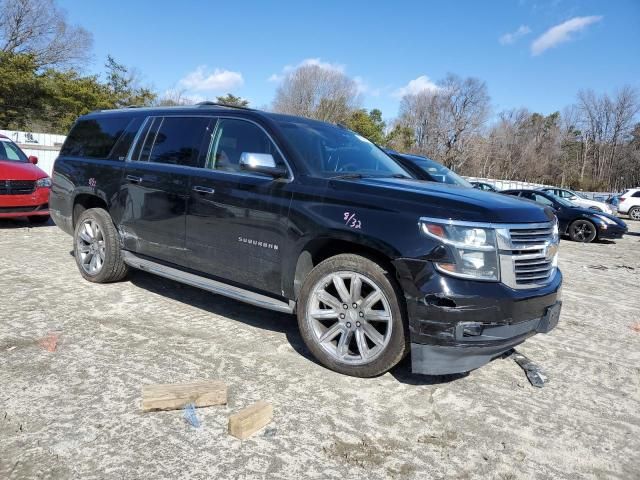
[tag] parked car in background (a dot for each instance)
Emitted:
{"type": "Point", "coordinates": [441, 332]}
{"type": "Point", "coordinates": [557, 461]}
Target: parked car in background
{"type": "Point", "coordinates": [580, 200]}
{"type": "Point", "coordinates": [487, 187]}
{"type": "Point", "coordinates": [24, 188]}
{"type": "Point", "coordinates": [629, 203]}
{"type": "Point", "coordinates": [424, 168]}
{"type": "Point", "coordinates": [581, 224]}
{"type": "Point", "coordinates": [308, 218]}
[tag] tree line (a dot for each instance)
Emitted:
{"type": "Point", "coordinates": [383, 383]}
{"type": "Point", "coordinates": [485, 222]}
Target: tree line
{"type": "Point", "coordinates": [593, 144]}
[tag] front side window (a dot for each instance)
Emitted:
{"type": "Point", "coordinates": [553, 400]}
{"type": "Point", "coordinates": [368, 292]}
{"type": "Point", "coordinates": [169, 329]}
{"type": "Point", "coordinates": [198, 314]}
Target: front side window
{"type": "Point", "coordinates": [11, 152]}
{"type": "Point", "coordinates": [233, 138]}
{"type": "Point", "coordinates": [94, 138]}
{"type": "Point", "coordinates": [330, 151]}
{"type": "Point", "coordinates": [542, 199]}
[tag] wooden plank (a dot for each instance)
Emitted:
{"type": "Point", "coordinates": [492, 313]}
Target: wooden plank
{"type": "Point", "coordinates": [249, 420]}
{"type": "Point", "coordinates": [202, 393]}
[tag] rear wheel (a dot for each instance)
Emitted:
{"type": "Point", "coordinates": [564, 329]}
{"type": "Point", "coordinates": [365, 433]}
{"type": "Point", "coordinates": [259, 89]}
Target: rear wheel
{"type": "Point", "coordinates": [350, 316]}
{"type": "Point", "coordinates": [582, 231]}
{"type": "Point", "coordinates": [634, 213]}
{"type": "Point", "coordinates": [96, 247]}
{"type": "Point", "coordinates": [39, 219]}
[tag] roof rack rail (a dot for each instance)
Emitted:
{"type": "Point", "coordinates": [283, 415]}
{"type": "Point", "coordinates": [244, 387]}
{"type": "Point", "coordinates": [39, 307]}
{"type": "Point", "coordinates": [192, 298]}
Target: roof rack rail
{"type": "Point", "coordinates": [133, 106]}
{"type": "Point", "coordinates": [208, 103]}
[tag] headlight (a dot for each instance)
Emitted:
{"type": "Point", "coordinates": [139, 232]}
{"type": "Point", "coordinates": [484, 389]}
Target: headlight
{"type": "Point", "coordinates": [43, 183]}
{"type": "Point", "coordinates": [606, 219]}
{"type": "Point", "coordinates": [474, 252]}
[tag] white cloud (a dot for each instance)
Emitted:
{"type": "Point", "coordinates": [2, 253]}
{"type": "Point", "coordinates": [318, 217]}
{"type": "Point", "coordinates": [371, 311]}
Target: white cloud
{"type": "Point", "coordinates": [202, 80]}
{"type": "Point", "coordinates": [561, 33]}
{"type": "Point", "coordinates": [415, 86]}
{"type": "Point", "coordinates": [512, 37]}
{"type": "Point", "coordinates": [278, 77]}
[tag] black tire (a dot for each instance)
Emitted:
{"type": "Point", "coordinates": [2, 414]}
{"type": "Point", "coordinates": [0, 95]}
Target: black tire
{"type": "Point", "coordinates": [39, 219]}
{"type": "Point", "coordinates": [397, 341]}
{"type": "Point", "coordinates": [113, 268]}
{"type": "Point", "coordinates": [634, 213]}
{"type": "Point", "coordinates": [583, 231]}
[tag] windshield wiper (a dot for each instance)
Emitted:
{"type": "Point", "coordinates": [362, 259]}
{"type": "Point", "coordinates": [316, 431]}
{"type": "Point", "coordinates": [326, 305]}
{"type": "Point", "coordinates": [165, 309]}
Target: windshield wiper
{"type": "Point", "coordinates": [347, 176]}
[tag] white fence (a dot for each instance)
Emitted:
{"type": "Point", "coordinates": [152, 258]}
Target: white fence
{"type": "Point", "coordinates": [508, 184]}
{"type": "Point", "coordinates": [45, 146]}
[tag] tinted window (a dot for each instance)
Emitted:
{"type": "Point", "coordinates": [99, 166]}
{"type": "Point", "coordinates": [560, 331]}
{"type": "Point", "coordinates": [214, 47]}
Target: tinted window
{"type": "Point", "coordinates": [121, 148]}
{"type": "Point", "coordinates": [636, 195]}
{"type": "Point", "coordinates": [10, 151]}
{"type": "Point", "coordinates": [235, 137]}
{"type": "Point", "coordinates": [94, 138]}
{"type": "Point", "coordinates": [179, 140]}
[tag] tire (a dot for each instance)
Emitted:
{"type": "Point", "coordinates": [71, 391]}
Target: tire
{"type": "Point", "coordinates": [373, 322]}
{"type": "Point", "coordinates": [39, 219]}
{"type": "Point", "coordinates": [634, 213]}
{"type": "Point", "coordinates": [95, 237]}
{"type": "Point", "coordinates": [582, 231]}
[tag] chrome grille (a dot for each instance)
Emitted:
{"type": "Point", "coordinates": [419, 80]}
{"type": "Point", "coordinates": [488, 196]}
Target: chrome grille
{"type": "Point", "coordinates": [17, 187]}
{"type": "Point", "coordinates": [528, 255]}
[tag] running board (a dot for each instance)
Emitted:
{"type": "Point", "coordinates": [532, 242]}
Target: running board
{"type": "Point", "coordinates": [204, 283]}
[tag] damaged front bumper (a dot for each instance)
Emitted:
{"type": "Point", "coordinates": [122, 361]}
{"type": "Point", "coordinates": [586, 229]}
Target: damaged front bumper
{"type": "Point", "coordinates": [459, 325]}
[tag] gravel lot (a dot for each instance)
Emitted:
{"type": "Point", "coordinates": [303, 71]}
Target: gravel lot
{"type": "Point", "coordinates": [75, 412]}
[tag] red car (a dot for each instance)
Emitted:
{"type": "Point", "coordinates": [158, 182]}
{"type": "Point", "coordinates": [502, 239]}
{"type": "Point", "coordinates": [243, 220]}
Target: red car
{"type": "Point", "coordinates": [24, 188]}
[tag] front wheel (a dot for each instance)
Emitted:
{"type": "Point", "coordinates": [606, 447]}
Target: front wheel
{"type": "Point", "coordinates": [351, 318]}
{"type": "Point", "coordinates": [634, 213]}
{"type": "Point", "coordinates": [582, 231]}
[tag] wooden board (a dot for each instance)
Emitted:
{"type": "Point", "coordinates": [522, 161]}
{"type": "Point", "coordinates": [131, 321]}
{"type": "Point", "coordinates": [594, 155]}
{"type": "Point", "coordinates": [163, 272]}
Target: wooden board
{"type": "Point", "coordinates": [202, 393]}
{"type": "Point", "coordinates": [249, 420]}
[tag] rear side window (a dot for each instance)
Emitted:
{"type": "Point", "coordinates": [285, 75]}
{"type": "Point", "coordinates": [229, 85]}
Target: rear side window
{"type": "Point", "coordinates": [636, 195]}
{"type": "Point", "coordinates": [175, 140]}
{"type": "Point", "coordinates": [94, 138]}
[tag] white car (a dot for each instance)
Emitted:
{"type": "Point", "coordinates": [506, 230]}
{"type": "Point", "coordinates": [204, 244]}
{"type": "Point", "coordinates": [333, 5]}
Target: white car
{"type": "Point", "coordinates": [580, 200]}
{"type": "Point", "coordinates": [630, 203]}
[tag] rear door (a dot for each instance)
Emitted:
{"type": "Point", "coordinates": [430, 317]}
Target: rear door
{"type": "Point", "coordinates": [155, 186]}
{"type": "Point", "coordinates": [237, 220]}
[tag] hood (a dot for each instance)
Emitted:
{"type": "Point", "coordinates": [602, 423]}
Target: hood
{"type": "Point", "coordinates": [10, 170]}
{"type": "Point", "coordinates": [433, 199]}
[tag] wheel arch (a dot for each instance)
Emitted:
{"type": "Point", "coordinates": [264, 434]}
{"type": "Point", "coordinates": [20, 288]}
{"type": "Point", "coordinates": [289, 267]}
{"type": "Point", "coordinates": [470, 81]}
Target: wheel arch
{"type": "Point", "coordinates": [319, 249]}
{"type": "Point", "coordinates": [83, 201]}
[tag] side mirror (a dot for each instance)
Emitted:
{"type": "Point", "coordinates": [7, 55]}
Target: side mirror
{"type": "Point", "coordinates": [573, 197]}
{"type": "Point", "coordinates": [33, 159]}
{"type": "Point", "coordinates": [261, 163]}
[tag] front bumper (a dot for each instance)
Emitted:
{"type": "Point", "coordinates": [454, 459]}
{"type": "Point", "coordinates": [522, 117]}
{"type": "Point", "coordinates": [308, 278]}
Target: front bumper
{"type": "Point", "coordinates": [33, 204]}
{"type": "Point", "coordinates": [458, 325]}
{"type": "Point", "coordinates": [611, 232]}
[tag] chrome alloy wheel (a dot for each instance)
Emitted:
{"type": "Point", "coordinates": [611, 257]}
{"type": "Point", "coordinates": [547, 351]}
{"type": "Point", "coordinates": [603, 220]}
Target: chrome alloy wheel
{"type": "Point", "coordinates": [634, 213]}
{"type": "Point", "coordinates": [350, 317]}
{"type": "Point", "coordinates": [90, 247]}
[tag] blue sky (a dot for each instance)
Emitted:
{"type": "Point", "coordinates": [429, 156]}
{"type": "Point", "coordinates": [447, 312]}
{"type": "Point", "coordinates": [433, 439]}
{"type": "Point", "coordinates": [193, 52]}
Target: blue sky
{"type": "Point", "coordinates": [536, 54]}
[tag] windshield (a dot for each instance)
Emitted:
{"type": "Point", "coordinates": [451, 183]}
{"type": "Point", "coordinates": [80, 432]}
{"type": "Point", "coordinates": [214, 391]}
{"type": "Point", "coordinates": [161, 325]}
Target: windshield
{"type": "Point", "coordinates": [561, 201]}
{"type": "Point", "coordinates": [9, 151]}
{"type": "Point", "coordinates": [579, 195]}
{"type": "Point", "coordinates": [330, 151]}
{"type": "Point", "coordinates": [439, 172]}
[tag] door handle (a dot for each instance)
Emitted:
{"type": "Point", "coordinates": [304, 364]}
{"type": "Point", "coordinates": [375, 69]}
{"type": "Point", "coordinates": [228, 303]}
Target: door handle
{"type": "Point", "coordinates": [200, 189]}
{"type": "Point", "coordinates": [134, 179]}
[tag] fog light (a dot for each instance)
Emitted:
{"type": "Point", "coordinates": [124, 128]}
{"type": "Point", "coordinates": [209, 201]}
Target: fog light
{"type": "Point", "coordinates": [471, 329]}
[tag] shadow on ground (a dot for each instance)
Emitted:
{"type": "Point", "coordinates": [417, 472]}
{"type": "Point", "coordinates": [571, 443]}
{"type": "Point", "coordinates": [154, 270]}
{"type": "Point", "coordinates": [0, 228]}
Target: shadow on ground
{"type": "Point", "coordinates": [261, 318]}
{"type": "Point", "coordinates": [21, 222]}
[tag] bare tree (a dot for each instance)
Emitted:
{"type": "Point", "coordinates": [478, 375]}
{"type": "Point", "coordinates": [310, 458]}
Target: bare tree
{"type": "Point", "coordinates": [41, 29]}
{"type": "Point", "coordinates": [446, 119]}
{"type": "Point", "coordinates": [316, 92]}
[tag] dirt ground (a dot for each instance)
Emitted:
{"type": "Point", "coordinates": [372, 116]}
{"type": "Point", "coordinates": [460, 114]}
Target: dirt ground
{"type": "Point", "coordinates": [74, 357]}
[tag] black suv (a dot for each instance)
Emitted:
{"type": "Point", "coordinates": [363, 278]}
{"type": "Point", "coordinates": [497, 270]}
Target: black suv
{"type": "Point", "coordinates": [305, 217]}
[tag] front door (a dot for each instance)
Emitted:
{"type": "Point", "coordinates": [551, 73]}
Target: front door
{"type": "Point", "coordinates": [155, 186]}
{"type": "Point", "coordinates": [237, 220]}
